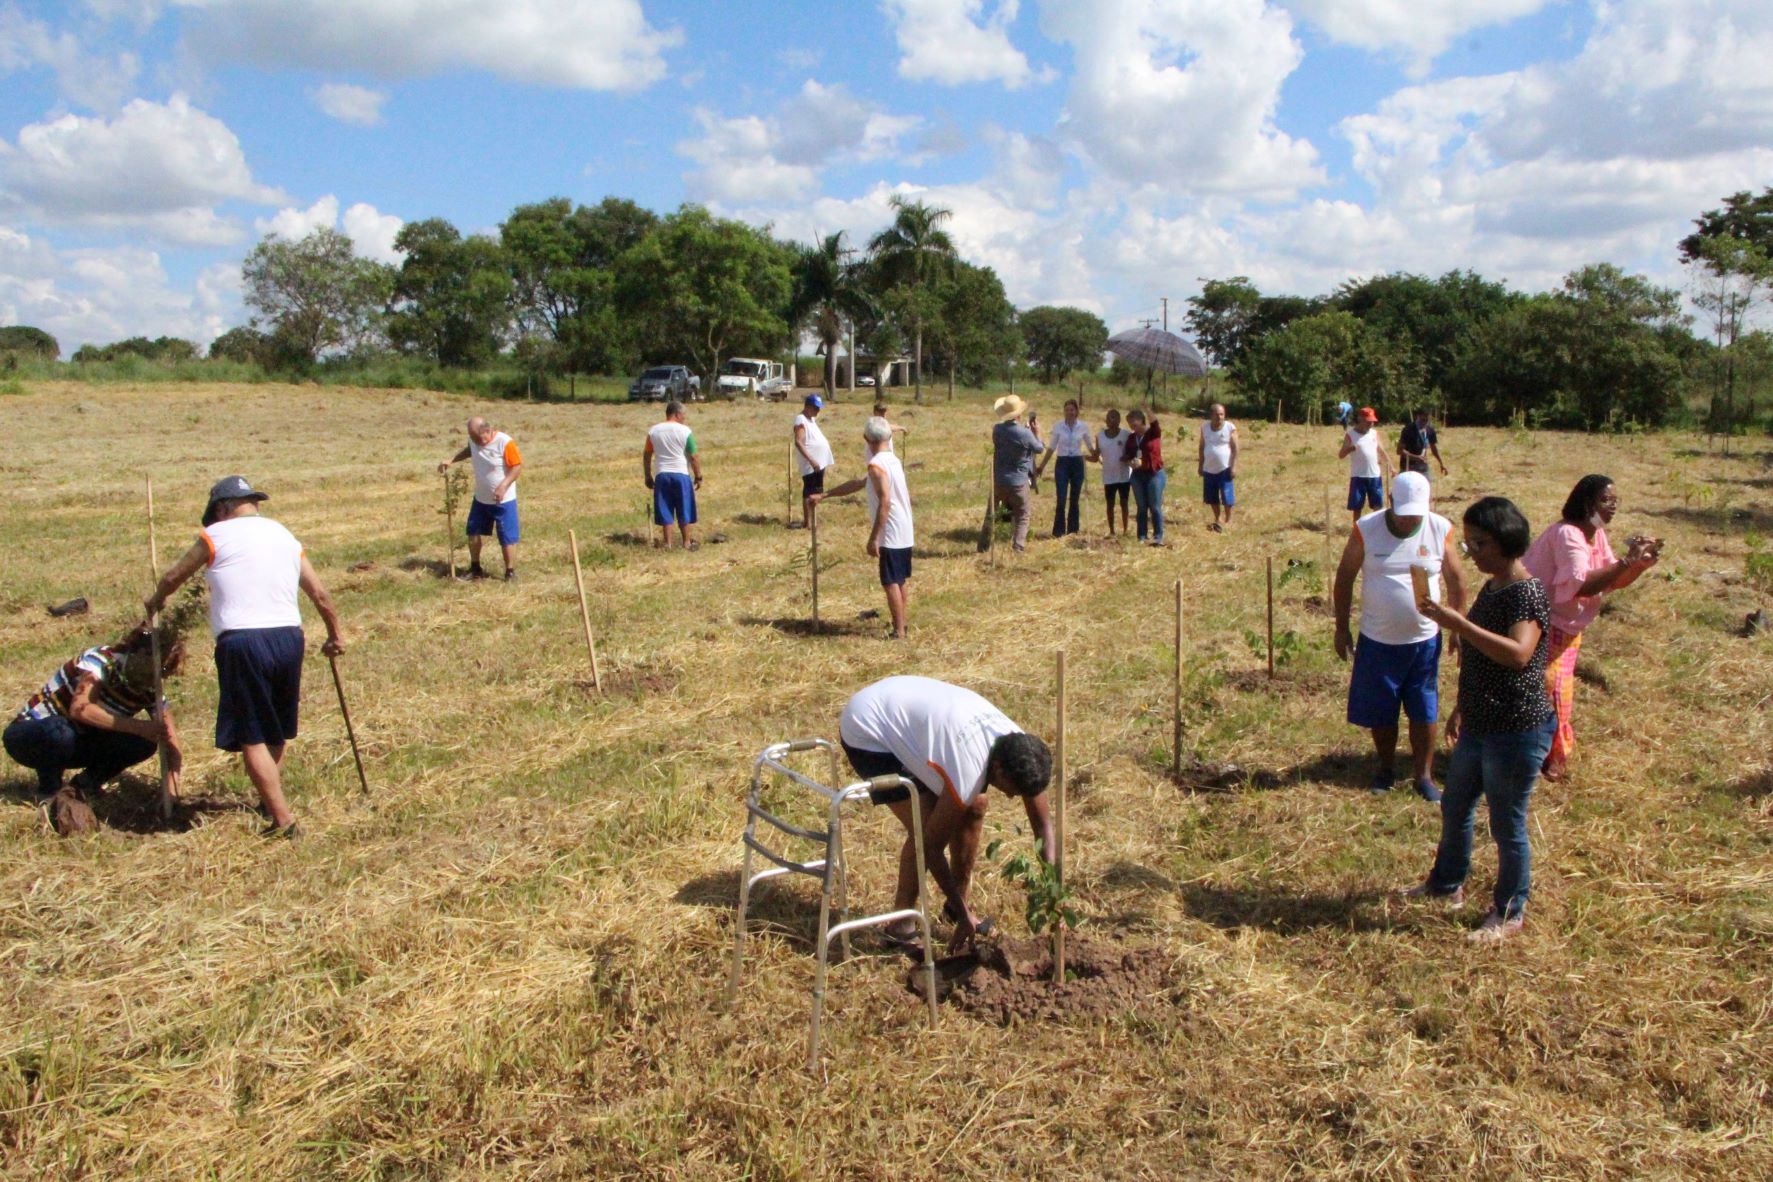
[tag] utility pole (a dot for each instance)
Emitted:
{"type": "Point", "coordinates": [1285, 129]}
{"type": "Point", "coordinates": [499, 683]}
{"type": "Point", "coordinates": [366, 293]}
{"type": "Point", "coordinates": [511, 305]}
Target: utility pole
{"type": "Point", "coordinates": [1166, 303]}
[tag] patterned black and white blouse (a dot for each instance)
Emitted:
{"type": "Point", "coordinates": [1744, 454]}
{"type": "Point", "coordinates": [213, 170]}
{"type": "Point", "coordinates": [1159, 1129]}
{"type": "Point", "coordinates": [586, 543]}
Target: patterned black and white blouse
{"type": "Point", "coordinates": [1494, 699]}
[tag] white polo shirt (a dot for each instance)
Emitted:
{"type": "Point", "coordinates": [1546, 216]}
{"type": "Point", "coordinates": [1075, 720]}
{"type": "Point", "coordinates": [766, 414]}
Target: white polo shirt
{"type": "Point", "coordinates": [492, 460]}
{"type": "Point", "coordinates": [254, 572]}
{"type": "Point", "coordinates": [942, 734]}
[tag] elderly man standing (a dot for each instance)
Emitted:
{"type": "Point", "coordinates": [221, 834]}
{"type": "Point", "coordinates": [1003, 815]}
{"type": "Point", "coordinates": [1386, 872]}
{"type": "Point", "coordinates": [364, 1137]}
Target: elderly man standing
{"type": "Point", "coordinates": [812, 451]}
{"type": "Point", "coordinates": [1014, 449]}
{"type": "Point", "coordinates": [1397, 661]}
{"type": "Point", "coordinates": [1218, 465]}
{"type": "Point", "coordinates": [253, 567]}
{"type": "Point", "coordinates": [496, 463]}
{"type": "Point", "coordinates": [668, 461]}
{"type": "Point", "coordinates": [889, 508]}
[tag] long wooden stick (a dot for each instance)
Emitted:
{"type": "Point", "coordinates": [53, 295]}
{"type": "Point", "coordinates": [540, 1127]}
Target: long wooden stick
{"type": "Point", "coordinates": [1325, 570]}
{"type": "Point", "coordinates": [813, 522]}
{"type": "Point", "coordinates": [793, 471]}
{"type": "Point", "coordinates": [1271, 617]}
{"type": "Point", "coordinates": [449, 513]}
{"type": "Point", "coordinates": [338, 687]}
{"type": "Point", "coordinates": [1176, 741]}
{"type": "Point", "coordinates": [1059, 824]}
{"type": "Point", "coordinates": [572, 537]}
{"type": "Point", "coordinates": [154, 655]}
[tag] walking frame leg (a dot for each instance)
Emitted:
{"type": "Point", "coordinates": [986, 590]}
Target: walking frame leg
{"type": "Point", "coordinates": [732, 988]}
{"type": "Point", "coordinates": [923, 909]}
{"type": "Point", "coordinates": [824, 950]}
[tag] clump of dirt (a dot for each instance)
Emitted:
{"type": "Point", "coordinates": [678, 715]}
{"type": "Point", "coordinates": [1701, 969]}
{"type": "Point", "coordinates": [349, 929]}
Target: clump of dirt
{"type": "Point", "coordinates": [1011, 981]}
{"type": "Point", "coordinates": [358, 568]}
{"type": "Point", "coordinates": [635, 680]}
{"type": "Point", "coordinates": [1096, 542]}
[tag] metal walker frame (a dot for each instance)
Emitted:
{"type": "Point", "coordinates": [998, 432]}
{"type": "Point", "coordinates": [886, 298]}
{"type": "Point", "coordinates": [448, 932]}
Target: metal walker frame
{"type": "Point", "coordinates": [831, 870]}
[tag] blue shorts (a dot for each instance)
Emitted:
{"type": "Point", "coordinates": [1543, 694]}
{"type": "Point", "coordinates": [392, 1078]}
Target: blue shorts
{"type": "Point", "coordinates": [483, 519]}
{"type": "Point", "coordinates": [895, 565]}
{"type": "Point", "coordinates": [1217, 488]}
{"type": "Point", "coordinates": [1364, 491]}
{"type": "Point", "coordinates": [674, 499]}
{"type": "Point", "coordinates": [259, 673]}
{"type": "Point", "coordinates": [1387, 676]}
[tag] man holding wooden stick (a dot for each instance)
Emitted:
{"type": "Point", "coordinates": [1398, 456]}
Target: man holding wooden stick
{"type": "Point", "coordinates": [254, 567]}
{"type": "Point", "coordinates": [494, 508]}
{"type": "Point", "coordinates": [891, 536]}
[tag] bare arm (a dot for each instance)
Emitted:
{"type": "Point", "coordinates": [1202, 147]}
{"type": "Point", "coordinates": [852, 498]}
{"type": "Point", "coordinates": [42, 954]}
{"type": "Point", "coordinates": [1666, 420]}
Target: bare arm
{"type": "Point", "coordinates": [1234, 450]}
{"type": "Point", "coordinates": [1040, 820]}
{"type": "Point", "coordinates": [1342, 594]}
{"type": "Point", "coordinates": [800, 446]}
{"type": "Point", "coordinates": [455, 459]}
{"type": "Point", "coordinates": [848, 488]}
{"type": "Point", "coordinates": [316, 591]}
{"type": "Point", "coordinates": [1513, 651]}
{"type": "Point", "coordinates": [883, 500]}
{"type": "Point", "coordinates": [695, 463]}
{"type": "Point", "coordinates": [646, 463]}
{"type": "Point", "coordinates": [510, 479]}
{"type": "Point", "coordinates": [1453, 577]}
{"type": "Point", "coordinates": [188, 564]}
{"type": "Point", "coordinates": [83, 710]}
{"type": "Point", "coordinates": [1347, 447]}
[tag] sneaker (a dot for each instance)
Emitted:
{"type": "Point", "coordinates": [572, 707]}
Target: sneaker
{"type": "Point", "coordinates": [1496, 929]}
{"type": "Point", "coordinates": [472, 573]}
{"type": "Point", "coordinates": [1427, 791]}
{"type": "Point", "coordinates": [1216, 528]}
{"type": "Point", "coordinates": [1382, 781]}
{"type": "Point", "coordinates": [510, 575]}
{"type": "Point", "coordinates": [1453, 900]}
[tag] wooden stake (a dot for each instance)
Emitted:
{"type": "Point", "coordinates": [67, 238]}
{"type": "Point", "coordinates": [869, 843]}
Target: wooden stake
{"type": "Point", "coordinates": [1059, 824]}
{"type": "Point", "coordinates": [793, 471]}
{"type": "Point", "coordinates": [584, 611]}
{"type": "Point", "coordinates": [1176, 740]}
{"type": "Point", "coordinates": [338, 688]}
{"type": "Point", "coordinates": [1325, 569]}
{"type": "Point", "coordinates": [813, 521]}
{"type": "Point", "coordinates": [1271, 618]}
{"type": "Point", "coordinates": [154, 655]}
{"type": "Point", "coordinates": [449, 513]}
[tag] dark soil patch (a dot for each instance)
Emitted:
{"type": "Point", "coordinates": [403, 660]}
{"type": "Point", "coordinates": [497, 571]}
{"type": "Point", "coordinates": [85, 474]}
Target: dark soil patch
{"type": "Point", "coordinates": [1286, 682]}
{"type": "Point", "coordinates": [1591, 674]}
{"type": "Point", "coordinates": [630, 537]}
{"type": "Point", "coordinates": [635, 680]}
{"type": "Point", "coordinates": [358, 568]}
{"type": "Point", "coordinates": [1096, 542]}
{"type": "Point", "coordinates": [757, 519]}
{"type": "Point", "coordinates": [1011, 981]}
{"type": "Point", "coordinates": [435, 567]}
{"type": "Point", "coordinates": [800, 626]}
{"type": "Point", "coordinates": [1206, 775]}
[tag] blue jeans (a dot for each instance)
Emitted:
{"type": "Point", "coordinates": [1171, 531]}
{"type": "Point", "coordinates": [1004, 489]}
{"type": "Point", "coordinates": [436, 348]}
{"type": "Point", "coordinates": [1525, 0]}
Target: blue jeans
{"type": "Point", "coordinates": [1148, 500]}
{"type": "Point", "coordinates": [1068, 479]}
{"type": "Point", "coordinates": [1502, 769]}
{"type": "Point", "coordinates": [48, 746]}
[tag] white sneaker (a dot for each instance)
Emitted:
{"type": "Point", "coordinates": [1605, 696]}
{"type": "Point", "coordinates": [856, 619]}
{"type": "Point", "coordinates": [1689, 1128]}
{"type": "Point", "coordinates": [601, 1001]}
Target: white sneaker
{"type": "Point", "coordinates": [1496, 929]}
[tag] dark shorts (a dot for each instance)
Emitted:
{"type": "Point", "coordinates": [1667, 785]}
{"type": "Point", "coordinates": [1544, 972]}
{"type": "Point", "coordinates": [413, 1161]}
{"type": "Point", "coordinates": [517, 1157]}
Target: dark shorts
{"type": "Point", "coordinates": [1387, 676]}
{"type": "Point", "coordinates": [870, 764]}
{"type": "Point", "coordinates": [1366, 491]}
{"type": "Point", "coordinates": [812, 482]}
{"type": "Point", "coordinates": [1122, 489]}
{"type": "Point", "coordinates": [259, 672]}
{"type": "Point", "coordinates": [483, 519]}
{"type": "Point", "coordinates": [1217, 488]}
{"type": "Point", "coordinates": [674, 499]}
{"type": "Point", "coordinates": [895, 565]}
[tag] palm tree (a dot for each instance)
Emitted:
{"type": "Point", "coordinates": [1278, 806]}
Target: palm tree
{"type": "Point", "coordinates": [827, 291]}
{"type": "Point", "coordinates": [909, 253]}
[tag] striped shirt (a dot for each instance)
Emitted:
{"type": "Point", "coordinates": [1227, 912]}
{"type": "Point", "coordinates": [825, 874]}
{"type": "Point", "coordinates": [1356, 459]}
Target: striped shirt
{"type": "Point", "coordinates": [56, 697]}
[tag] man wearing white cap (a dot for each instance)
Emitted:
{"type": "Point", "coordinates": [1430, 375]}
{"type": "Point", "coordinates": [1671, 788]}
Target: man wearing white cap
{"type": "Point", "coordinates": [1013, 451]}
{"type": "Point", "coordinates": [890, 537]}
{"type": "Point", "coordinates": [1397, 660]}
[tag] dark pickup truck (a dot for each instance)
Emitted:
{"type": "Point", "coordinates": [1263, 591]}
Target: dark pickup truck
{"type": "Point", "coordinates": [665, 383]}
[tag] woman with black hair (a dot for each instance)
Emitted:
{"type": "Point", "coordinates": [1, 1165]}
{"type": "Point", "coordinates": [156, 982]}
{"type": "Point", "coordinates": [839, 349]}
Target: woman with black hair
{"type": "Point", "coordinates": [1502, 725]}
{"type": "Point", "coordinates": [1577, 564]}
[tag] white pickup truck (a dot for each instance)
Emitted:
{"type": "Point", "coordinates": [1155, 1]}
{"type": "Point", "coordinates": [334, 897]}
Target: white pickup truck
{"type": "Point", "coordinates": [754, 377]}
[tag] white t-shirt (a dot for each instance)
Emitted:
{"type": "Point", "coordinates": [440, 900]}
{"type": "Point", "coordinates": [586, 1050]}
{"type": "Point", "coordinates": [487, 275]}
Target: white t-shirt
{"type": "Point", "coordinates": [1069, 439]}
{"type": "Point", "coordinates": [1363, 461]}
{"type": "Point", "coordinates": [254, 572]}
{"type": "Point", "coordinates": [1388, 598]}
{"type": "Point", "coordinates": [492, 460]}
{"type": "Point", "coordinates": [941, 733]}
{"type": "Point", "coordinates": [1216, 457]}
{"type": "Point", "coordinates": [817, 446]}
{"type": "Point", "coordinates": [898, 534]}
{"type": "Point", "coordinates": [673, 443]}
{"type": "Point", "coordinates": [1115, 469]}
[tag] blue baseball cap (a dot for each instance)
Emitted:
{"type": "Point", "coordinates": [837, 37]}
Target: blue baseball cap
{"type": "Point", "coordinates": [230, 488]}
{"type": "Point", "coordinates": [814, 401]}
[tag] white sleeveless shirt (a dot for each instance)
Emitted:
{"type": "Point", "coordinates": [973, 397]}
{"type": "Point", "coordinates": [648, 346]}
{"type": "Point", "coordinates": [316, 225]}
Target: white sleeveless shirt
{"type": "Point", "coordinates": [1388, 598]}
{"type": "Point", "coordinates": [255, 570]}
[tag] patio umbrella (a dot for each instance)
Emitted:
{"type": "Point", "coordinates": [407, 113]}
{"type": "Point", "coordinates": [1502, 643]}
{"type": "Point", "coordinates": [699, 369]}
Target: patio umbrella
{"type": "Point", "coordinates": [1160, 350]}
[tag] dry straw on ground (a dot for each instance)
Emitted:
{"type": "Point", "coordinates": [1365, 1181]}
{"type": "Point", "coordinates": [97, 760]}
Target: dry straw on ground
{"type": "Point", "coordinates": [508, 963]}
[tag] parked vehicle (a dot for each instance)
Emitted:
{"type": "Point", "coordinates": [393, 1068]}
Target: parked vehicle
{"type": "Point", "coordinates": [865, 379]}
{"type": "Point", "coordinates": [664, 383]}
{"type": "Point", "coordinates": [752, 376]}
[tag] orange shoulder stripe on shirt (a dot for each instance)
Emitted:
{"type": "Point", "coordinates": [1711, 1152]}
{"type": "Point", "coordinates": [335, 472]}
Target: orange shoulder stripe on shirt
{"type": "Point", "coordinates": [943, 772]}
{"type": "Point", "coordinates": [513, 457]}
{"type": "Point", "coordinates": [208, 541]}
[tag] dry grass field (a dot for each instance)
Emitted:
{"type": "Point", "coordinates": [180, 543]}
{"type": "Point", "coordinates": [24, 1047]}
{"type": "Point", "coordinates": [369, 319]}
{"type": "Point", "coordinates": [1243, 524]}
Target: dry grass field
{"type": "Point", "coordinates": [508, 962]}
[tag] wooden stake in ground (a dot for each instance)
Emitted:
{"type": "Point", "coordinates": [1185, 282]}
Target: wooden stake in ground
{"type": "Point", "coordinates": [793, 474]}
{"type": "Point", "coordinates": [1271, 617]}
{"type": "Point", "coordinates": [1325, 569]}
{"type": "Point", "coordinates": [572, 537]}
{"type": "Point", "coordinates": [338, 688]}
{"type": "Point", "coordinates": [154, 656]}
{"type": "Point", "coordinates": [449, 514]}
{"type": "Point", "coordinates": [1059, 825]}
{"type": "Point", "coordinates": [1176, 740]}
{"type": "Point", "coordinates": [988, 533]}
{"type": "Point", "coordinates": [813, 521]}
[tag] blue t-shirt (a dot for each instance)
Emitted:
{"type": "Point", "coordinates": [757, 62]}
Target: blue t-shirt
{"type": "Point", "coordinates": [1014, 448]}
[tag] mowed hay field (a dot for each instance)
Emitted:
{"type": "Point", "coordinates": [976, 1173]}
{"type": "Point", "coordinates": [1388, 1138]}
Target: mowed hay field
{"type": "Point", "coordinates": [509, 961]}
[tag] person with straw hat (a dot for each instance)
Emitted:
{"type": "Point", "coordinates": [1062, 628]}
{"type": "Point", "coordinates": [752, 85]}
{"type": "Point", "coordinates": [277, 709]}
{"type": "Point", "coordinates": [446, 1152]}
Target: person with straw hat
{"type": "Point", "coordinates": [254, 567]}
{"type": "Point", "coordinates": [1014, 449]}
{"type": "Point", "coordinates": [889, 509]}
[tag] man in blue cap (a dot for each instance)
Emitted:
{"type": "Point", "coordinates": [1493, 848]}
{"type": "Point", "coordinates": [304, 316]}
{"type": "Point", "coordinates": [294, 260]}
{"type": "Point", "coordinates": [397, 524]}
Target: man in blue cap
{"type": "Point", "coordinates": [812, 451]}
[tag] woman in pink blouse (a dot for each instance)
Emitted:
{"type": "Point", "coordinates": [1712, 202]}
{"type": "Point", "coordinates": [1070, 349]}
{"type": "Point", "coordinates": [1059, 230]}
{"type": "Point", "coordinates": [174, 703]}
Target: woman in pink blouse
{"type": "Point", "coordinates": [1577, 565]}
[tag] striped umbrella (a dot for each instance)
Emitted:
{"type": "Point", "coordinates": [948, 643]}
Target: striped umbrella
{"type": "Point", "coordinates": [1157, 349]}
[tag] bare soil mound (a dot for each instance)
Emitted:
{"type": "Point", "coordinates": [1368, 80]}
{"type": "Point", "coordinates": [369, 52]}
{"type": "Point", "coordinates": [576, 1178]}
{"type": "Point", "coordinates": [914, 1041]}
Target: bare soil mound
{"type": "Point", "coordinates": [1011, 981]}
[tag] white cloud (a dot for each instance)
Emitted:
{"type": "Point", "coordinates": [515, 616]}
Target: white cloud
{"type": "Point", "coordinates": [92, 80]}
{"type": "Point", "coordinates": [371, 232]}
{"type": "Point", "coordinates": [1183, 93]}
{"type": "Point", "coordinates": [350, 104]}
{"type": "Point", "coordinates": [160, 167]}
{"type": "Point", "coordinates": [959, 41]}
{"type": "Point", "coordinates": [589, 44]}
{"type": "Point", "coordinates": [1418, 31]}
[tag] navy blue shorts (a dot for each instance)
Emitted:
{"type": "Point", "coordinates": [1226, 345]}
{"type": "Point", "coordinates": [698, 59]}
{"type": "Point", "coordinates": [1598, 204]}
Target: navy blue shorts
{"type": "Point", "coordinates": [1387, 676]}
{"type": "Point", "coordinates": [874, 764]}
{"type": "Point", "coordinates": [483, 519]}
{"type": "Point", "coordinates": [812, 482]}
{"type": "Point", "coordinates": [895, 565]}
{"type": "Point", "coordinates": [259, 672]}
{"type": "Point", "coordinates": [1364, 491]}
{"type": "Point", "coordinates": [1217, 488]}
{"type": "Point", "coordinates": [674, 499]}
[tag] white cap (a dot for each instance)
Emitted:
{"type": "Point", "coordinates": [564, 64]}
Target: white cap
{"type": "Point", "coordinates": [1410, 495]}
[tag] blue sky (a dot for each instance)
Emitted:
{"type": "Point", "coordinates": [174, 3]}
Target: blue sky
{"type": "Point", "coordinates": [1103, 153]}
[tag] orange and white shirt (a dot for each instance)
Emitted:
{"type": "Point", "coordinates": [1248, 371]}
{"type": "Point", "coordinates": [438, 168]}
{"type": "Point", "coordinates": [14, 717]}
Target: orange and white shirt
{"type": "Point", "coordinates": [492, 460]}
{"type": "Point", "coordinates": [941, 733]}
{"type": "Point", "coordinates": [254, 572]}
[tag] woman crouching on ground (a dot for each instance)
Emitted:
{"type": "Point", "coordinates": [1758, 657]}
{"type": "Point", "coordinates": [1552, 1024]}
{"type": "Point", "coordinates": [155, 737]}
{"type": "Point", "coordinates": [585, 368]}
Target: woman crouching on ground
{"type": "Point", "coordinates": [1502, 726]}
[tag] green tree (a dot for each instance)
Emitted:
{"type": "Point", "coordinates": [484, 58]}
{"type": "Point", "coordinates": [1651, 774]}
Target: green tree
{"type": "Point", "coordinates": [975, 329]}
{"type": "Point", "coordinates": [315, 296]}
{"type": "Point", "coordinates": [1221, 316]}
{"type": "Point", "coordinates": [451, 296]}
{"type": "Point", "coordinates": [828, 293]}
{"type": "Point", "coordinates": [706, 288]}
{"type": "Point", "coordinates": [1322, 358]}
{"type": "Point", "coordinates": [246, 345]}
{"type": "Point", "coordinates": [1059, 340]}
{"type": "Point", "coordinates": [1427, 320]}
{"type": "Point", "coordinates": [1744, 216]}
{"type": "Point", "coordinates": [1730, 264]}
{"type": "Point", "coordinates": [21, 340]}
{"type": "Point", "coordinates": [910, 254]}
{"type": "Point", "coordinates": [563, 262]}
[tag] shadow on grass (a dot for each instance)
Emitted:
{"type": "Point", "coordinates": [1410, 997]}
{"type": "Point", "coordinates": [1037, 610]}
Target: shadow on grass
{"type": "Point", "coordinates": [435, 567]}
{"type": "Point", "coordinates": [1754, 787]}
{"type": "Point", "coordinates": [798, 626]}
{"type": "Point", "coordinates": [787, 911]}
{"type": "Point", "coordinates": [1339, 769]}
{"type": "Point", "coordinates": [132, 805]}
{"type": "Point", "coordinates": [1735, 517]}
{"type": "Point", "coordinates": [966, 535]}
{"type": "Point", "coordinates": [758, 519]}
{"type": "Point", "coordinates": [1232, 908]}
{"type": "Point", "coordinates": [629, 537]}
